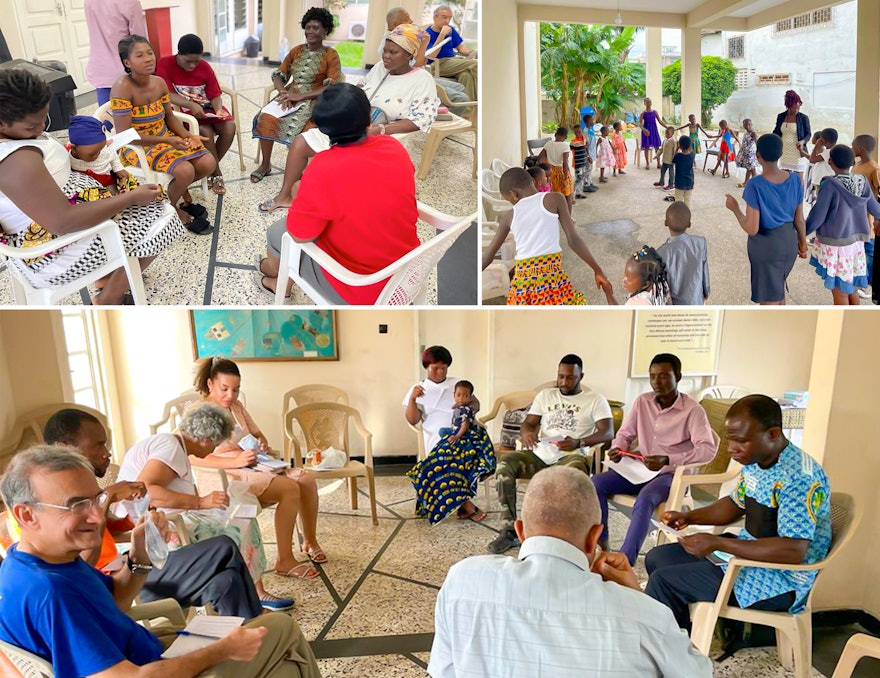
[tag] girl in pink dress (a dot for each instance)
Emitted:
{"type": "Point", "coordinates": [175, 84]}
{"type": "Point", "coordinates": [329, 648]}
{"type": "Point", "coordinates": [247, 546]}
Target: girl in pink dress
{"type": "Point", "coordinates": [604, 154]}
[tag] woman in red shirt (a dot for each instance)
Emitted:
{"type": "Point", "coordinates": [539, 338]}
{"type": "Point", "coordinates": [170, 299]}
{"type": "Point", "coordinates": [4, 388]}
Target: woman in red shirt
{"type": "Point", "coordinates": [356, 201]}
{"type": "Point", "coordinates": [192, 85]}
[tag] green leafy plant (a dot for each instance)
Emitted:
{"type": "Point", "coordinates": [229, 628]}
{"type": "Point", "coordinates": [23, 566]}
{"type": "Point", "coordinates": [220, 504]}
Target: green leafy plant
{"type": "Point", "coordinates": [587, 65]}
{"type": "Point", "coordinates": [718, 77]}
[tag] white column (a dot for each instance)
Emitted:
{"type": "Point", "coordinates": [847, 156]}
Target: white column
{"type": "Point", "coordinates": [691, 77]}
{"type": "Point", "coordinates": [654, 67]}
{"type": "Point", "coordinates": [867, 104]}
{"type": "Point", "coordinates": [532, 79]}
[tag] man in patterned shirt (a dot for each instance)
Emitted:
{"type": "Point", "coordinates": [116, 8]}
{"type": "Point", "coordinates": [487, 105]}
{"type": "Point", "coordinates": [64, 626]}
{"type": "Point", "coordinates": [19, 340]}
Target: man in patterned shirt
{"type": "Point", "coordinates": [785, 498]}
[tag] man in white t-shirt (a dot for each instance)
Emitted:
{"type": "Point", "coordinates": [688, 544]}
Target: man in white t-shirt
{"type": "Point", "coordinates": [570, 420]}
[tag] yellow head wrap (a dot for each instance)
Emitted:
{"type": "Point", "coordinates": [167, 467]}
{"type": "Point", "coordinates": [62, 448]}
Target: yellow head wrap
{"type": "Point", "coordinates": [407, 37]}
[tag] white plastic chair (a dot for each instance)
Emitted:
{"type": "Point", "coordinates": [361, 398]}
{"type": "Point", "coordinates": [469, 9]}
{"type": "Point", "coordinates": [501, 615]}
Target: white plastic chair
{"type": "Point", "coordinates": [858, 646]}
{"type": "Point", "coordinates": [443, 128]}
{"type": "Point", "coordinates": [722, 391]}
{"type": "Point", "coordinates": [144, 171]}
{"type": "Point", "coordinates": [499, 167]}
{"type": "Point", "coordinates": [26, 287]}
{"type": "Point", "coordinates": [492, 200]}
{"type": "Point", "coordinates": [28, 665]}
{"type": "Point", "coordinates": [406, 276]}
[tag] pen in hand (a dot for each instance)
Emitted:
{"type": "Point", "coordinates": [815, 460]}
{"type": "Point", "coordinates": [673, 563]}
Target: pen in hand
{"type": "Point", "coordinates": [197, 635]}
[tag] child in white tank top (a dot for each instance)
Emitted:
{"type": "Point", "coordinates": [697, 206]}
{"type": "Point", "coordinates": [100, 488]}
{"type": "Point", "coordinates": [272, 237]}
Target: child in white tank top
{"type": "Point", "coordinates": [539, 278]}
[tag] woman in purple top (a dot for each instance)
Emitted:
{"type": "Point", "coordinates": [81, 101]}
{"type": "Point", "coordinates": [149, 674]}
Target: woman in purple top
{"type": "Point", "coordinates": [648, 121]}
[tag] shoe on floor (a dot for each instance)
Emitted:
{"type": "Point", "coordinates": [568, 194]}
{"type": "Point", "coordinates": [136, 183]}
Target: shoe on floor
{"type": "Point", "coordinates": [275, 603]}
{"type": "Point", "coordinates": [504, 542]}
{"type": "Point", "coordinates": [591, 189]}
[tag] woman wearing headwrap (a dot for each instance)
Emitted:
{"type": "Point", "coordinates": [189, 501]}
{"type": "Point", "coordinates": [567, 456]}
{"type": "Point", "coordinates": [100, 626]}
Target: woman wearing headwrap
{"type": "Point", "coordinates": [403, 99]}
{"type": "Point", "coordinates": [357, 201]}
{"type": "Point", "coordinates": [794, 128]}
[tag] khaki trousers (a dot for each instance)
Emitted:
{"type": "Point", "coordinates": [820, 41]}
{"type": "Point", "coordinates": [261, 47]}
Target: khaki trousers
{"type": "Point", "coordinates": [464, 70]}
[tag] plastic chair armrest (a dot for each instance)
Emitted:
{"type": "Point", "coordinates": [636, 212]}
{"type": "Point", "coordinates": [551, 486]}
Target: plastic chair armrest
{"type": "Point", "coordinates": [57, 243]}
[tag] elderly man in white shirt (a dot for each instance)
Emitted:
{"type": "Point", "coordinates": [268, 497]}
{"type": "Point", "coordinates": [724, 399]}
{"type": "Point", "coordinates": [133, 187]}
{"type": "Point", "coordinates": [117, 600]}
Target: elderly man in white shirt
{"type": "Point", "coordinates": [557, 610]}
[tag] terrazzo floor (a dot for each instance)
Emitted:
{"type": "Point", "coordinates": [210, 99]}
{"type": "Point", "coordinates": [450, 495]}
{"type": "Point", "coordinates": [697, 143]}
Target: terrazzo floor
{"type": "Point", "coordinates": [216, 269]}
{"type": "Point", "coordinates": [371, 611]}
{"type": "Point", "coordinates": [628, 212]}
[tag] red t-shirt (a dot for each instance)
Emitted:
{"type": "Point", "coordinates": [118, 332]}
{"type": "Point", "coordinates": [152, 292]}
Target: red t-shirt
{"type": "Point", "coordinates": [199, 85]}
{"type": "Point", "coordinates": [359, 204]}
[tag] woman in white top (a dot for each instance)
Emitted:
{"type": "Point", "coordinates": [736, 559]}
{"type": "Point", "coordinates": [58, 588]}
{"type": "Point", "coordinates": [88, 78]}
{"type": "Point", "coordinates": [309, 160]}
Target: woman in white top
{"type": "Point", "coordinates": [794, 128]}
{"type": "Point", "coordinates": [39, 197]}
{"type": "Point", "coordinates": [404, 99]}
{"type": "Point", "coordinates": [539, 278]}
{"type": "Point", "coordinates": [161, 462]}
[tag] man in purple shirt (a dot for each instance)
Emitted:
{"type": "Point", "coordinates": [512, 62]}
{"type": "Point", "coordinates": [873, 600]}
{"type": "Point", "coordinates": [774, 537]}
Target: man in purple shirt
{"type": "Point", "coordinates": [672, 430]}
{"type": "Point", "coordinates": [108, 22]}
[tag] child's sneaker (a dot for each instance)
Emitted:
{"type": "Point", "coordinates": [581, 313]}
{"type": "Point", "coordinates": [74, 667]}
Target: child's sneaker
{"type": "Point", "coordinates": [658, 183]}
{"type": "Point", "coordinates": [669, 188]}
{"type": "Point", "coordinates": [591, 189]}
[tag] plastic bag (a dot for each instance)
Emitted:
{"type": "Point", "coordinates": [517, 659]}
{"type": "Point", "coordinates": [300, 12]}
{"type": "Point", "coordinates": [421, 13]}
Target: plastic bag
{"type": "Point", "coordinates": [242, 504]}
{"type": "Point", "coordinates": [249, 442]}
{"type": "Point", "coordinates": [328, 459]}
{"type": "Point", "coordinates": [157, 549]}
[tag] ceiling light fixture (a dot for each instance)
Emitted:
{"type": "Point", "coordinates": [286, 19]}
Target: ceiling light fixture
{"type": "Point", "coordinates": [618, 19]}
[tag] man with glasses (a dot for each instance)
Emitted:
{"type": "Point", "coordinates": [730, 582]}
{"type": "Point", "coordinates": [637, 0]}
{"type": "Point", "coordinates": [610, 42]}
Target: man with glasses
{"type": "Point", "coordinates": [210, 571]}
{"type": "Point", "coordinates": [56, 606]}
{"type": "Point", "coordinates": [462, 69]}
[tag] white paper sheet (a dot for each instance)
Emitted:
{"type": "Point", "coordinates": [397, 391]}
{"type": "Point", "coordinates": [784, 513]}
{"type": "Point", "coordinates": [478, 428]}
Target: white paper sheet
{"type": "Point", "coordinates": [670, 531]}
{"type": "Point", "coordinates": [274, 109]}
{"type": "Point", "coordinates": [117, 141]}
{"type": "Point", "coordinates": [631, 469]}
{"type": "Point", "coordinates": [433, 394]}
{"type": "Point", "coordinates": [216, 627]}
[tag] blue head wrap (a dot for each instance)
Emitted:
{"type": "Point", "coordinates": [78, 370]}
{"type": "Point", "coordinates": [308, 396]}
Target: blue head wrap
{"type": "Point", "coordinates": [85, 130]}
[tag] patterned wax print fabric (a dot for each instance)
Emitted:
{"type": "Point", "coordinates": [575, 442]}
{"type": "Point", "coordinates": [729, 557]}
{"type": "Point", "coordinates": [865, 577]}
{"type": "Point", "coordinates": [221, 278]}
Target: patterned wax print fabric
{"type": "Point", "coordinates": [541, 281]}
{"type": "Point", "coordinates": [450, 473]}
{"type": "Point", "coordinates": [149, 120]}
{"type": "Point", "coordinates": [790, 499]}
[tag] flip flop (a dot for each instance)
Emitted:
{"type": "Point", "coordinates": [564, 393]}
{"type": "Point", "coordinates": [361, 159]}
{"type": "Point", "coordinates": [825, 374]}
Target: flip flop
{"type": "Point", "coordinates": [199, 226]}
{"type": "Point", "coordinates": [317, 556]}
{"type": "Point", "coordinates": [308, 573]}
{"type": "Point", "coordinates": [194, 209]}
{"type": "Point", "coordinates": [217, 185]}
{"type": "Point", "coordinates": [270, 205]}
{"type": "Point", "coordinates": [257, 176]}
{"type": "Point", "coordinates": [258, 278]}
{"type": "Point", "coordinates": [477, 515]}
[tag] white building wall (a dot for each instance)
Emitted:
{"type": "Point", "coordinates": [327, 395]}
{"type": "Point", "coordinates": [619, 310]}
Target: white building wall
{"type": "Point", "coordinates": [821, 61]}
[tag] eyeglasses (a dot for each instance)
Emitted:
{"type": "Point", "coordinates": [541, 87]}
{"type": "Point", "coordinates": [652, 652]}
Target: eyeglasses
{"type": "Point", "coordinates": [81, 507]}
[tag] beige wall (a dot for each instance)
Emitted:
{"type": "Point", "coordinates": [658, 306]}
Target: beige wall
{"type": "Point", "coordinates": [500, 95]}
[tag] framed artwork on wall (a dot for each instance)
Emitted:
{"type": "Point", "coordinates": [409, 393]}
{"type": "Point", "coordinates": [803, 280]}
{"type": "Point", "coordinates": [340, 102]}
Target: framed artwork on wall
{"type": "Point", "coordinates": [273, 334]}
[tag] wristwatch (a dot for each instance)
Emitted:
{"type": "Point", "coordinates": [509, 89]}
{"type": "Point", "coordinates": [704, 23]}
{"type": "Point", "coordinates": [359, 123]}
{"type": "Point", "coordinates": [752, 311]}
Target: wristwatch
{"type": "Point", "coordinates": [137, 568]}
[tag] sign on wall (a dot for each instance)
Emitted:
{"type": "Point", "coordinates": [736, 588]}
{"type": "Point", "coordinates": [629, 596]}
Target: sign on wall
{"type": "Point", "coordinates": [691, 334]}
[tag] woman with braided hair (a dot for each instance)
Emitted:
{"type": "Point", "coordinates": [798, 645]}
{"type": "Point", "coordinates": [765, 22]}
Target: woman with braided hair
{"type": "Point", "coordinates": [644, 278]}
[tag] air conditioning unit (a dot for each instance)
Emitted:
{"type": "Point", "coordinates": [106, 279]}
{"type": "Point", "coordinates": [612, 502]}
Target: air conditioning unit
{"type": "Point", "coordinates": [357, 30]}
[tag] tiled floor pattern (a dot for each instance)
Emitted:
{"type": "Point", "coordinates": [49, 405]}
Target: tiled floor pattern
{"type": "Point", "coordinates": [217, 268]}
{"type": "Point", "coordinates": [371, 611]}
{"type": "Point", "coordinates": [628, 212]}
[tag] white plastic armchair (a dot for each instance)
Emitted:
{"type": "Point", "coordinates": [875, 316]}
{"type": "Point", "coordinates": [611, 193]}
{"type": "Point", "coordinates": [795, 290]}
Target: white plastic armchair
{"type": "Point", "coordinates": [407, 277]}
{"type": "Point", "coordinates": [30, 291]}
{"type": "Point", "coordinates": [143, 171]}
{"type": "Point", "coordinates": [492, 200]}
{"type": "Point", "coordinates": [722, 391]}
{"type": "Point", "coordinates": [443, 128]}
{"type": "Point", "coordinates": [499, 167]}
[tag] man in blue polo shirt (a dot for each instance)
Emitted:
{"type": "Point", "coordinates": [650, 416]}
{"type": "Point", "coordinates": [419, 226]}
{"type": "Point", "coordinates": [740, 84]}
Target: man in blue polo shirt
{"type": "Point", "coordinates": [56, 606]}
{"type": "Point", "coordinates": [786, 500]}
{"type": "Point", "coordinates": [462, 68]}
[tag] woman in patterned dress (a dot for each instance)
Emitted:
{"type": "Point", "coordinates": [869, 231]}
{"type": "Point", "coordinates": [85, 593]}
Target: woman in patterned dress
{"type": "Point", "coordinates": [303, 75]}
{"type": "Point", "coordinates": [39, 198]}
{"type": "Point", "coordinates": [140, 100]}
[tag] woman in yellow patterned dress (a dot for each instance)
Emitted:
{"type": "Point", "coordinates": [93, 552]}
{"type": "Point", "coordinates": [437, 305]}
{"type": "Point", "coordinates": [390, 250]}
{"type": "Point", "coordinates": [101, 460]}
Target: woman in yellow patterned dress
{"type": "Point", "coordinates": [305, 72]}
{"type": "Point", "coordinates": [139, 99]}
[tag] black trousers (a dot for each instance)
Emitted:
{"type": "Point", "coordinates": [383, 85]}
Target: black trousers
{"type": "Point", "coordinates": [210, 571]}
{"type": "Point", "coordinates": [676, 579]}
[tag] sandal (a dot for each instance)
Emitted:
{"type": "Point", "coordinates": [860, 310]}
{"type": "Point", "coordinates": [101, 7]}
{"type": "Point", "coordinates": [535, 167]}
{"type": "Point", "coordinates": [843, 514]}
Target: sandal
{"type": "Point", "coordinates": [712, 171]}
{"type": "Point", "coordinates": [301, 571]}
{"type": "Point", "coordinates": [317, 556]}
{"type": "Point", "coordinates": [257, 176]}
{"type": "Point", "coordinates": [193, 209]}
{"type": "Point", "coordinates": [740, 185]}
{"type": "Point", "coordinates": [199, 226]}
{"type": "Point", "coordinates": [477, 515]}
{"type": "Point", "coordinates": [217, 185]}
{"type": "Point", "coordinates": [258, 278]}
{"type": "Point", "coordinates": [270, 205]}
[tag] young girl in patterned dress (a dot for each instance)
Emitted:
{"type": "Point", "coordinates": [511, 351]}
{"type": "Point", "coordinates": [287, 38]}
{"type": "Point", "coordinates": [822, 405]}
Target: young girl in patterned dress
{"type": "Point", "coordinates": [604, 154]}
{"type": "Point", "coordinates": [747, 156]}
{"type": "Point", "coordinates": [539, 278]}
{"type": "Point", "coordinates": [140, 100]}
{"type": "Point", "coordinates": [618, 145]}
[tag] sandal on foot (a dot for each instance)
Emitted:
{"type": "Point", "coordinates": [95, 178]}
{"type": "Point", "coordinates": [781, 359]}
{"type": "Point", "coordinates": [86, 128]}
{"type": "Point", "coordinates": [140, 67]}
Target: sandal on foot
{"type": "Point", "coordinates": [194, 210]}
{"type": "Point", "coordinates": [740, 185]}
{"type": "Point", "coordinates": [199, 226]}
{"type": "Point", "coordinates": [317, 556]}
{"type": "Point", "coordinates": [258, 278]}
{"type": "Point", "coordinates": [258, 175]}
{"type": "Point", "coordinates": [217, 185]}
{"type": "Point", "coordinates": [300, 571]}
{"type": "Point", "coordinates": [712, 172]}
{"type": "Point", "coordinates": [270, 205]}
{"type": "Point", "coordinates": [477, 515]}
{"type": "Point", "coordinates": [275, 603]}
